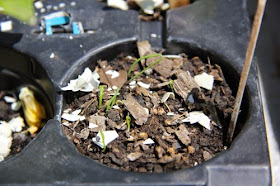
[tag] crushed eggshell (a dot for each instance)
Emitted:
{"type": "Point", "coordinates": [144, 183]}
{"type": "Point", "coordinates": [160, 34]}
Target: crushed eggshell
{"type": "Point", "coordinates": [16, 124]}
{"type": "Point", "coordinates": [173, 56]}
{"type": "Point", "coordinates": [198, 117]}
{"type": "Point", "coordinates": [85, 82]}
{"type": "Point", "coordinates": [109, 136]}
{"type": "Point", "coordinates": [5, 139]}
{"type": "Point", "coordinates": [114, 74]}
{"type": "Point", "coordinates": [120, 4]}
{"type": "Point", "coordinates": [204, 80]}
{"type": "Point", "coordinates": [144, 85]}
{"type": "Point", "coordinates": [148, 141]}
{"type": "Point", "coordinates": [92, 126]}
{"type": "Point", "coordinates": [166, 96]}
{"type": "Point", "coordinates": [72, 117]}
{"type": "Point", "coordinates": [16, 106]}
{"type": "Point", "coordinates": [9, 99]}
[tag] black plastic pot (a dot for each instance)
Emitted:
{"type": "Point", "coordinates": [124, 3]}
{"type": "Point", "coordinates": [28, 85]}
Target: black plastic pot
{"type": "Point", "coordinates": [216, 28]}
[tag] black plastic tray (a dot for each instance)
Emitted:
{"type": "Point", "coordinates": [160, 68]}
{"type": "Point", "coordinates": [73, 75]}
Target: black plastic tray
{"type": "Point", "coordinates": [216, 28]}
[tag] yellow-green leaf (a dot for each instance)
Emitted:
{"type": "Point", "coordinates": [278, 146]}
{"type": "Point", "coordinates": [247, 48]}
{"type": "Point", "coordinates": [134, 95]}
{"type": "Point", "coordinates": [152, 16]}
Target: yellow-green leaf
{"type": "Point", "coordinates": [22, 10]}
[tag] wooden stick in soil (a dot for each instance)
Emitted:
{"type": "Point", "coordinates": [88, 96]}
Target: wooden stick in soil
{"type": "Point", "coordinates": [246, 68]}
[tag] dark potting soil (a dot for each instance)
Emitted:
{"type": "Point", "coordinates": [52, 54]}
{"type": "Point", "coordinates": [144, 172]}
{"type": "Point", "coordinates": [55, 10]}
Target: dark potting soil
{"type": "Point", "coordinates": [176, 144]}
{"type": "Point", "coordinates": [20, 139]}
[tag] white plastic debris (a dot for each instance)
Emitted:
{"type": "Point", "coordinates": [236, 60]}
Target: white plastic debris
{"type": "Point", "coordinates": [73, 116]}
{"type": "Point", "coordinates": [52, 55]}
{"type": "Point", "coordinates": [148, 6]}
{"type": "Point", "coordinates": [38, 5]}
{"type": "Point", "coordinates": [16, 124]}
{"type": "Point", "coordinates": [6, 26]}
{"type": "Point", "coordinates": [148, 141]}
{"type": "Point", "coordinates": [109, 136]}
{"type": "Point", "coordinates": [9, 99]}
{"type": "Point", "coordinates": [198, 117]}
{"type": "Point", "coordinates": [114, 87]}
{"type": "Point", "coordinates": [153, 35]}
{"type": "Point", "coordinates": [70, 37]}
{"type": "Point", "coordinates": [114, 74]}
{"type": "Point", "coordinates": [55, 7]}
{"type": "Point", "coordinates": [86, 82]}
{"type": "Point", "coordinates": [204, 80]}
{"type": "Point", "coordinates": [43, 10]}
{"type": "Point", "coordinates": [144, 85]}
{"type": "Point", "coordinates": [120, 4]}
{"type": "Point", "coordinates": [73, 3]}
{"type": "Point", "coordinates": [172, 56]}
{"type": "Point", "coordinates": [16, 105]}
{"type": "Point", "coordinates": [49, 7]}
{"type": "Point", "coordinates": [61, 5]}
{"type": "Point", "coordinates": [5, 139]}
{"type": "Point", "coordinates": [92, 126]}
{"type": "Point", "coordinates": [166, 96]}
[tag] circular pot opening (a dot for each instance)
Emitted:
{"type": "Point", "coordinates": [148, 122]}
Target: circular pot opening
{"type": "Point", "coordinates": [86, 140]}
{"type": "Point", "coordinates": [22, 120]}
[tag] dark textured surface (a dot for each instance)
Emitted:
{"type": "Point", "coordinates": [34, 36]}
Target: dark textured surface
{"type": "Point", "coordinates": [221, 27]}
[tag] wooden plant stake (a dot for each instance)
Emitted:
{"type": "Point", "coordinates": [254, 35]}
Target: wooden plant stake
{"type": "Point", "coordinates": [248, 60]}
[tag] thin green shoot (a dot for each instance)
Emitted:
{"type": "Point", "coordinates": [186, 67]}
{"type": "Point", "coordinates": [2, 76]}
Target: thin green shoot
{"type": "Point", "coordinates": [171, 85]}
{"type": "Point", "coordinates": [112, 101]}
{"type": "Point", "coordinates": [103, 140]}
{"type": "Point", "coordinates": [101, 88]}
{"type": "Point", "coordinates": [128, 120]}
{"type": "Point", "coordinates": [140, 59]}
{"type": "Point", "coordinates": [150, 66]}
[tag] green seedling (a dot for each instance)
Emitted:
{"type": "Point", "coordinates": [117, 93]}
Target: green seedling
{"type": "Point", "coordinates": [171, 85]}
{"type": "Point", "coordinates": [141, 58]}
{"type": "Point", "coordinates": [119, 102]}
{"type": "Point", "coordinates": [103, 140]}
{"type": "Point", "coordinates": [112, 101]}
{"type": "Point", "coordinates": [128, 120]}
{"type": "Point", "coordinates": [101, 88]}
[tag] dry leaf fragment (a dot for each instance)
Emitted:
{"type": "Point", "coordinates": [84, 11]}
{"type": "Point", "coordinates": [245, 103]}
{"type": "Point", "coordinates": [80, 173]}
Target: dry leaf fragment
{"type": "Point", "coordinates": [136, 110]}
{"type": "Point", "coordinates": [34, 112]}
{"type": "Point", "coordinates": [184, 84]}
{"type": "Point", "coordinates": [111, 77]}
{"type": "Point", "coordinates": [183, 135]}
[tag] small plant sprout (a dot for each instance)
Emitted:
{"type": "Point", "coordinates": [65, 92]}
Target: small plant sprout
{"type": "Point", "coordinates": [171, 85]}
{"type": "Point", "coordinates": [140, 59]}
{"type": "Point", "coordinates": [103, 140]}
{"type": "Point", "coordinates": [112, 101]}
{"type": "Point", "coordinates": [119, 102]}
{"type": "Point", "coordinates": [128, 120]}
{"type": "Point", "coordinates": [101, 88]}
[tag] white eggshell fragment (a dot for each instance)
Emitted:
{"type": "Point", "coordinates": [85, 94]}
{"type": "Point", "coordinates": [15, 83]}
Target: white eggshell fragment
{"type": "Point", "coordinates": [148, 141]}
{"type": "Point", "coordinates": [198, 117]}
{"type": "Point", "coordinates": [204, 80]}
{"type": "Point", "coordinates": [109, 136]}
{"type": "Point", "coordinates": [86, 82]}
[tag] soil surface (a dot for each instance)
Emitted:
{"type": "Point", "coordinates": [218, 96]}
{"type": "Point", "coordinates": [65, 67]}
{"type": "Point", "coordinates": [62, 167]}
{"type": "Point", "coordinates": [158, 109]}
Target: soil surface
{"type": "Point", "coordinates": [20, 139]}
{"type": "Point", "coordinates": [175, 144]}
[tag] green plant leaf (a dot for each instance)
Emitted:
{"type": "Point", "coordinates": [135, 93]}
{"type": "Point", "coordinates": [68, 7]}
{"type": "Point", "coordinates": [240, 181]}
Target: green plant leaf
{"type": "Point", "coordinates": [22, 10]}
